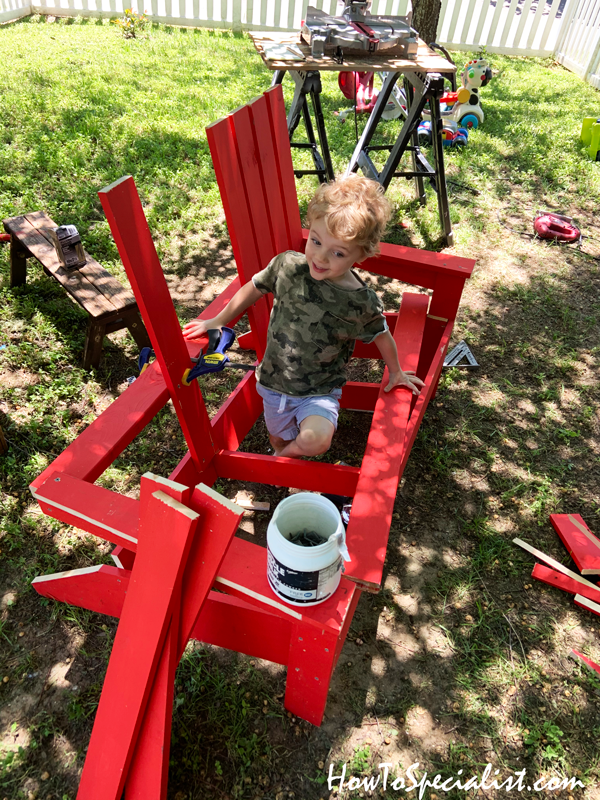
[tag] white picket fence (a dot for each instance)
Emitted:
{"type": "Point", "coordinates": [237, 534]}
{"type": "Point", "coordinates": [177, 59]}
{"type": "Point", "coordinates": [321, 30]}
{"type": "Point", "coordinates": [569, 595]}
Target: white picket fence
{"type": "Point", "coordinates": [569, 30]}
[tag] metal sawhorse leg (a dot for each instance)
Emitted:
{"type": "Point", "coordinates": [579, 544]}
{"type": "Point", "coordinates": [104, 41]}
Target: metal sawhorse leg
{"type": "Point", "coordinates": [418, 90]}
{"type": "Point", "coordinates": [308, 83]}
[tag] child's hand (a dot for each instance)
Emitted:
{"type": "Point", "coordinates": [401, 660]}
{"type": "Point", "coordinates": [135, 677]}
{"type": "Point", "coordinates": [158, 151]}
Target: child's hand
{"type": "Point", "coordinates": [408, 379]}
{"type": "Point", "coordinates": [198, 327]}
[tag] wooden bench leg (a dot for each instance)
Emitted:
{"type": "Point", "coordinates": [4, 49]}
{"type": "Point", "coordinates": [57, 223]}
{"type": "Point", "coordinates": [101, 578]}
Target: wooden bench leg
{"type": "Point", "coordinates": [137, 329]}
{"type": "Point", "coordinates": [3, 444]}
{"type": "Point", "coordinates": [92, 352]}
{"type": "Point", "coordinates": [18, 262]}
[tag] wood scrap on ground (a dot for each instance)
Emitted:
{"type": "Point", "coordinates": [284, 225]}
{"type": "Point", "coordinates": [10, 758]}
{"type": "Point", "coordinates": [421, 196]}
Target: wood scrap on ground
{"type": "Point", "coordinates": [583, 602]}
{"type": "Point", "coordinates": [246, 501]}
{"type": "Point", "coordinates": [553, 563]}
{"type": "Point", "coordinates": [587, 662]}
{"type": "Point", "coordinates": [583, 546]}
{"type": "Point", "coordinates": [564, 582]}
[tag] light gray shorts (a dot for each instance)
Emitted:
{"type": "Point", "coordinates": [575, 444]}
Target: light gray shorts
{"type": "Point", "coordinates": [283, 414]}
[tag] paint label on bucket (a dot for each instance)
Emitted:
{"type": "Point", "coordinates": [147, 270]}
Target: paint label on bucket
{"type": "Point", "coordinates": [301, 587]}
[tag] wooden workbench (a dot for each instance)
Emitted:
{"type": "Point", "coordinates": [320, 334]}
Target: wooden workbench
{"type": "Point", "coordinates": [427, 60]}
{"type": "Point", "coordinates": [423, 79]}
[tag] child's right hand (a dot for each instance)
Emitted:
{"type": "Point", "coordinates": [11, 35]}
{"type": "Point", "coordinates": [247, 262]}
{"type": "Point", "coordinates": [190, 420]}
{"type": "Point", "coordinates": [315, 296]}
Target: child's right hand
{"type": "Point", "coordinates": [198, 327]}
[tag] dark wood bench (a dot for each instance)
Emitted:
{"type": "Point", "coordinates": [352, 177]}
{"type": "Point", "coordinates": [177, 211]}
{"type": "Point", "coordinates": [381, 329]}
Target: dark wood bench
{"type": "Point", "coordinates": [111, 307]}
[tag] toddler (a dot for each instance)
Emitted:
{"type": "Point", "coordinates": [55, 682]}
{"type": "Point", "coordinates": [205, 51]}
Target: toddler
{"type": "Point", "coordinates": [320, 307]}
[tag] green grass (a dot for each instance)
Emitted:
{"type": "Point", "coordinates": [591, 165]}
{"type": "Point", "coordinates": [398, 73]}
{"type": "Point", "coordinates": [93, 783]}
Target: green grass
{"type": "Point", "coordinates": [499, 449]}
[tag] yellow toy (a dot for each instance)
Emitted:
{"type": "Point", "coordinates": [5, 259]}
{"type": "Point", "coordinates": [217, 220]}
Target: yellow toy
{"type": "Point", "coordinates": [590, 135]}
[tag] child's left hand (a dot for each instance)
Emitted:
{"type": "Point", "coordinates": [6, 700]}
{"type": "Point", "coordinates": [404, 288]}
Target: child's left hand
{"type": "Point", "coordinates": [408, 379]}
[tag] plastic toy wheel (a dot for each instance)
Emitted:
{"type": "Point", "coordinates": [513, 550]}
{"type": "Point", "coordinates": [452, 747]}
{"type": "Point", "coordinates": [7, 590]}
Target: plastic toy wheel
{"type": "Point", "coordinates": [469, 121]}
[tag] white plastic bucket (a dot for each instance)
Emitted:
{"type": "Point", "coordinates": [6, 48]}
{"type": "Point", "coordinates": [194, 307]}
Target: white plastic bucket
{"type": "Point", "coordinates": [305, 575]}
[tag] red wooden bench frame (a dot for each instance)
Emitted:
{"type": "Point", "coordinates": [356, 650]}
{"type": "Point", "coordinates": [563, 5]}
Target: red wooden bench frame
{"type": "Point", "coordinates": [252, 160]}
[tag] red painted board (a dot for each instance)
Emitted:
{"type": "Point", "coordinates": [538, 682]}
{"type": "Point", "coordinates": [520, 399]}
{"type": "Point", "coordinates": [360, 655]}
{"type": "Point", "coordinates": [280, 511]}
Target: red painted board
{"type": "Point", "coordinates": [230, 622]}
{"type": "Point", "coordinates": [233, 421]}
{"type": "Point", "coordinates": [360, 396]}
{"type": "Point", "coordinates": [583, 602]}
{"type": "Point", "coordinates": [101, 588]}
{"type": "Point", "coordinates": [96, 448]}
{"type": "Point", "coordinates": [587, 662]}
{"type": "Point", "coordinates": [264, 222]}
{"type": "Point", "coordinates": [564, 582]}
{"type": "Point", "coordinates": [220, 519]}
{"type": "Point", "coordinates": [223, 148]}
{"type": "Point", "coordinates": [148, 772]}
{"type": "Point", "coordinates": [138, 643]}
{"type": "Point", "coordinates": [371, 515]}
{"type": "Point", "coordinates": [132, 235]}
{"type": "Point", "coordinates": [430, 378]}
{"type": "Point", "coordinates": [122, 557]}
{"type": "Point", "coordinates": [285, 167]}
{"type": "Point", "coordinates": [281, 471]}
{"type": "Point", "coordinates": [346, 626]}
{"type": "Point", "coordinates": [310, 666]}
{"type": "Point", "coordinates": [244, 574]}
{"type": "Point", "coordinates": [246, 341]}
{"type": "Point", "coordinates": [91, 508]}
{"type": "Point", "coordinates": [224, 620]}
{"type": "Point", "coordinates": [554, 563]}
{"type": "Point", "coordinates": [582, 545]}
{"type": "Point", "coordinates": [185, 472]}
{"type": "Point", "coordinates": [446, 297]}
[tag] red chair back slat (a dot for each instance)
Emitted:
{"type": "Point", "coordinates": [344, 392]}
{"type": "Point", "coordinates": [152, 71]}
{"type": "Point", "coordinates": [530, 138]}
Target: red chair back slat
{"type": "Point", "coordinates": [253, 165]}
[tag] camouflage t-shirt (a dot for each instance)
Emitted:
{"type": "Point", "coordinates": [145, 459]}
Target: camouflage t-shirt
{"type": "Point", "coordinates": [313, 327]}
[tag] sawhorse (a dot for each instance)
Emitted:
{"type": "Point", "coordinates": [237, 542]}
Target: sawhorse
{"type": "Point", "coordinates": [418, 90]}
{"type": "Point", "coordinates": [308, 83]}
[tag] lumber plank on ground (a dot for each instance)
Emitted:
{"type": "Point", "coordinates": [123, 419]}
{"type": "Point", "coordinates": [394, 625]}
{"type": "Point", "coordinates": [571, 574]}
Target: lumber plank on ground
{"type": "Point", "coordinates": [564, 582]}
{"type": "Point", "coordinates": [583, 602]}
{"type": "Point", "coordinates": [553, 562]}
{"type": "Point", "coordinates": [587, 662]}
{"type": "Point", "coordinates": [583, 546]}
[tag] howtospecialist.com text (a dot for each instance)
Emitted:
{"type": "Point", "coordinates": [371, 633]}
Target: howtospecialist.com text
{"type": "Point", "coordinates": [409, 782]}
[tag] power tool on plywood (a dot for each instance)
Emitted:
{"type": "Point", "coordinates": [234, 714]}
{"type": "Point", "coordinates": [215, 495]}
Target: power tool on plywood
{"type": "Point", "coordinates": [357, 31]}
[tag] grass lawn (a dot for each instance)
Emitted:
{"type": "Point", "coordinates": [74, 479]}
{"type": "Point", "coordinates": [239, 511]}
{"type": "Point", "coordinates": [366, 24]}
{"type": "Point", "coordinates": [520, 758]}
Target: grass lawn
{"type": "Point", "coordinates": [462, 659]}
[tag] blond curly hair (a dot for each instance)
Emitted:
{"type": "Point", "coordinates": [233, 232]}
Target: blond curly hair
{"type": "Point", "coordinates": [354, 209]}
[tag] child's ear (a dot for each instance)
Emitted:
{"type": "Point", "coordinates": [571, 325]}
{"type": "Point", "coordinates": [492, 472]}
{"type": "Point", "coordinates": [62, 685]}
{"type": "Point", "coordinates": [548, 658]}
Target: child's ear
{"type": "Point", "coordinates": [363, 257]}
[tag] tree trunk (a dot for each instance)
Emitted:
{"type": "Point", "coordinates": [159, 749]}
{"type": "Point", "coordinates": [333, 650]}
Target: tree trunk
{"type": "Point", "coordinates": [426, 15]}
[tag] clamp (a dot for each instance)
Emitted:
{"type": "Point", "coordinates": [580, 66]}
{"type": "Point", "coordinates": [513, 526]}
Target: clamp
{"type": "Point", "coordinates": [215, 359]}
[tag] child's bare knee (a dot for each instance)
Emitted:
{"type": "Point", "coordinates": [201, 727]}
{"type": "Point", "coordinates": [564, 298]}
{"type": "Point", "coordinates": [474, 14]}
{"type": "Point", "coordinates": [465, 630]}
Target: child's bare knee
{"type": "Point", "coordinates": [315, 440]}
